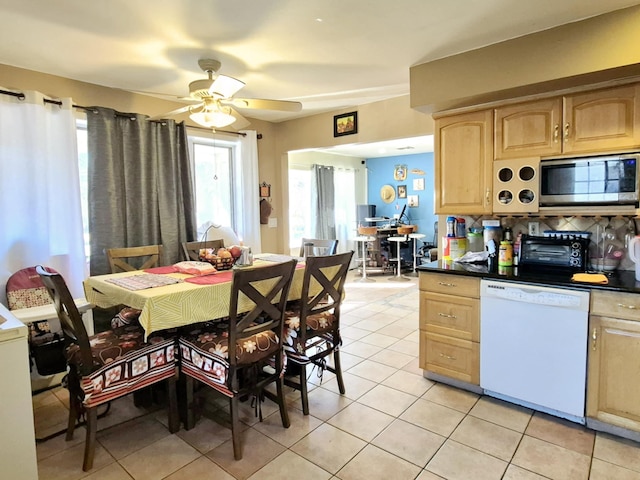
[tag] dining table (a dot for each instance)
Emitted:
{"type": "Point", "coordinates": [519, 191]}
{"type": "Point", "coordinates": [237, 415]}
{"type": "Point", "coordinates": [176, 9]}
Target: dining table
{"type": "Point", "coordinates": [170, 299]}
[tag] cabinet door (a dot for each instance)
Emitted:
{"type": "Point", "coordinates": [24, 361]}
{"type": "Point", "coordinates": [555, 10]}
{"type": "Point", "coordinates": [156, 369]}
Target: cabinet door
{"type": "Point", "coordinates": [464, 153]}
{"type": "Point", "coordinates": [450, 315]}
{"type": "Point", "coordinates": [451, 357]}
{"type": "Point", "coordinates": [602, 120]}
{"type": "Point", "coordinates": [528, 129]}
{"type": "Point", "coordinates": [613, 392]}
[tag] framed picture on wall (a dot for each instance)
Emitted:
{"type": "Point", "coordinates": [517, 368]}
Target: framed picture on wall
{"type": "Point", "coordinates": [402, 191]}
{"type": "Point", "coordinates": [345, 124]}
{"type": "Point", "coordinates": [418, 184]}
{"type": "Point", "coordinates": [413, 201]}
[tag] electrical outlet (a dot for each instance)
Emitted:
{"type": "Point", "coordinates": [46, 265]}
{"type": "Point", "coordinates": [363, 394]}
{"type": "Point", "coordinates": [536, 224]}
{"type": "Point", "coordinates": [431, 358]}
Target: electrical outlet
{"type": "Point", "coordinates": [534, 228]}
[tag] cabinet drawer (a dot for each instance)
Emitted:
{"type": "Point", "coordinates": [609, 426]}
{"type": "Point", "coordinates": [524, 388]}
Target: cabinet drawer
{"type": "Point", "coordinates": [616, 304]}
{"type": "Point", "coordinates": [451, 357]}
{"type": "Point", "coordinates": [450, 315]}
{"type": "Point", "coordinates": [450, 284]}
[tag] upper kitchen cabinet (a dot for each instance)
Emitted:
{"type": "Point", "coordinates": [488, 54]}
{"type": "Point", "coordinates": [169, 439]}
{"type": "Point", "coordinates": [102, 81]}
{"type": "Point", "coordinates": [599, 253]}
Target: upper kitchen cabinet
{"type": "Point", "coordinates": [593, 121]}
{"type": "Point", "coordinates": [602, 120]}
{"type": "Point", "coordinates": [529, 129]}
{"type": "Point", "coordinates": [463, 166]}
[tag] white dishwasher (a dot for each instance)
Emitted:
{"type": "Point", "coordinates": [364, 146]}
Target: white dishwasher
{"type": "Point", "coordinates": [533, 346]}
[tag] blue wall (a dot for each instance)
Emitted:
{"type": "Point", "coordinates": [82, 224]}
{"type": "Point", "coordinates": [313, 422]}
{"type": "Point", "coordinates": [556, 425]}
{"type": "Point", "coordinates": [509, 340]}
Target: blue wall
{"type": "Point", "coordinates": [380, 172]}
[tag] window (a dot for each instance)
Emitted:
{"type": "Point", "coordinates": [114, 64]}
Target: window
{"type": "Point", "coordinates": [83, 170]}
{"type": "Point", "coordinates": [213, 180]}
{"type": "Point", "coordinates": [299, 206]}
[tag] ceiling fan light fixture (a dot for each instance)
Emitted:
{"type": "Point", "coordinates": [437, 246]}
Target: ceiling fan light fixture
{"type": "Point", "coordinates": [225, 87]}
{"type": "Point", "coordinates": [212, 118]}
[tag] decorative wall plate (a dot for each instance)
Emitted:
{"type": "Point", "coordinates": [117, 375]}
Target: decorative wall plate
{"type": "Point", "coordinates": [387, 193]}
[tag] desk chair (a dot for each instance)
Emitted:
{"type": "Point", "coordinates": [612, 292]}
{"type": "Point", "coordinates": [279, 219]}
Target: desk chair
{"type": "Point", "coordinates": [108, 365]}
{"type": "Point", "coordinates": [229, 355]}
{"type": "Point", "coordinates": [312, 324]}
{"type": "Point", "coordinates": [315, 246]}
{"type": "Point", "coordinates": [128, 259]}
{"type": "Point", "coordinates": [192, 249]}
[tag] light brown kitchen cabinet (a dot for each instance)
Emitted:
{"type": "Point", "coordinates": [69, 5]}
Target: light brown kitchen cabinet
{"type": "Point", "coordinates": [613, 392]}
{"type": "Point", "coordinates": [594, 121]}
{"type": "Point", "coordinates": [450, 326]}
{"type": "Point", "coordinates": [463, 166]}
{"type": "Point", "coordinates": [601, 120]}
{"type": "Point", "coordinates": [529, 129]}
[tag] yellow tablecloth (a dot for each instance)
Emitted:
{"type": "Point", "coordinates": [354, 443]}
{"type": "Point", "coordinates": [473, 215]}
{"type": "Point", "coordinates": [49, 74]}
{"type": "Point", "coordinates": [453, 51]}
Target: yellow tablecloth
{"type": "Point", "coordinates": [174, 305]}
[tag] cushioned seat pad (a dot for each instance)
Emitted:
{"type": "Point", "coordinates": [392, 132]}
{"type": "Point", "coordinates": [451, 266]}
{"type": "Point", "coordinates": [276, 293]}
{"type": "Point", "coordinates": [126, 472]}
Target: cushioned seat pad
{"type": "Point", "coordinates": [204, 352]}
{"type": "Point", "coordinates": [317, 326]}
{"type": "Point", "coordinates": [123, 362]}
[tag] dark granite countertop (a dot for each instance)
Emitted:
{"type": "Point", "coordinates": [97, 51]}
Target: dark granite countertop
{"type": "Point", "coordinates": [621, 281]}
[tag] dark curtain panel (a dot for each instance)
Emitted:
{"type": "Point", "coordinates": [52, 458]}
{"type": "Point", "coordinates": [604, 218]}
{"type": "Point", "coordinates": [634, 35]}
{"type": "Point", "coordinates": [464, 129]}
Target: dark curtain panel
{"type": "Point", "coordinates": [140, 189]}
{"type": "Point", "coordinates": [323, 207]}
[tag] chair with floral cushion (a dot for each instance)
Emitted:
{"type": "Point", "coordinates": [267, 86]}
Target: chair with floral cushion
{"type": "Point", "coordinates": [312, 324]}
{"type": "Point", "coordinates": [233, 355]}
{"type": "Point", "coordinates": [108, 365]}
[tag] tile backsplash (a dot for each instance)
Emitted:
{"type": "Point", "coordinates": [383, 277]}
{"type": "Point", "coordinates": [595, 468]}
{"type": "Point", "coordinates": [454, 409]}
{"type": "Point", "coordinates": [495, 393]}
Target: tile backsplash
{"type": "Point", "coordinates": [616, 234]}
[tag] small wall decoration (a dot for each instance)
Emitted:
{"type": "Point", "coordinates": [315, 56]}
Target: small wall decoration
{"type": "Point", "coordinates": [417, 171]}
{"type": "Point", "coordinates": [387, 194]}
{"type": "Point", "coordinates": [265, 190]}
{"type": "Point", "coordinates": [413, 201]}
{"type": "Point", "coordinates": [345, 124]}
{"type": "Point", "coordinates": [402, 191]}
{"type": "Point", "coordinates": [400, 173]}
{"type": "Point", "coordinates": [418, 184]}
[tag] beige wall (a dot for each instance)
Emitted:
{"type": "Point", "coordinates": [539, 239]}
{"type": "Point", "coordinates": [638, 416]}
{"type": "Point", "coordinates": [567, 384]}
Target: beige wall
{"type": "Point", "coordinates": [597, 49]}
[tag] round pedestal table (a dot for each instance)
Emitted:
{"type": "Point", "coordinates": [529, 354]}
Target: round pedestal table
{"type": "Point", "coordinates": [415, 237]}
{"type": "Point", "coordinates": [398, 277]}
{"type": "Point", "coordinates": [363, 239]}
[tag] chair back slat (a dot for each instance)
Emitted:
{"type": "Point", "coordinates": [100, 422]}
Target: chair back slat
{"type": "Point", "coordinates": [323, 285]}
{"type": "Point", "coordinates": [192, 249]}
{"type": "Point", "coordinates": [269, 307]}
{"type": "Point", "coordinates": [317, 247]}
{"type": "Point", "coordinates": [120, 258]}
{"type": "Point", "coordinates": [69, 316]}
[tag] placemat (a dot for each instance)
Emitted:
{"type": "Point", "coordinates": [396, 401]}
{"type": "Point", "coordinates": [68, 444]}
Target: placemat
{"type": "Point", "coordinates": [161, 270]}
{"type": "Point", "coordinates": [211, 279]}
{"type": "Point", "coordinates": [279, 258]}
{"type": "Point", "coordinates": [141, 282]}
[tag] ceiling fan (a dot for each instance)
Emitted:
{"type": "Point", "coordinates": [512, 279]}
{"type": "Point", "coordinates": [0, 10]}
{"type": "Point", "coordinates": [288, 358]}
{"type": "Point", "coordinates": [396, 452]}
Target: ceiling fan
{"type": "Point", "coordinates": [215, 100]}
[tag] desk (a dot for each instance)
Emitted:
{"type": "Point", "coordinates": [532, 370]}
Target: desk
{"type": "Point", "coordinates": [178, 304]}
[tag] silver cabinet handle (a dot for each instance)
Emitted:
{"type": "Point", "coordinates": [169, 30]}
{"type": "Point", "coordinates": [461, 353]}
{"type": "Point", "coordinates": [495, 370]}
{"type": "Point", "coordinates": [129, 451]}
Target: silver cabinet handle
{"type": "Point", "coordinates": [447, 284]}
{"type": "Point", "coordinates": [448, 357]}
{"type": "Point", "coordinates": [630, 307]}
{"type": "Point", "coordinates": [594, 337]}
{"type": "Point", "coordinates": [446, 315]}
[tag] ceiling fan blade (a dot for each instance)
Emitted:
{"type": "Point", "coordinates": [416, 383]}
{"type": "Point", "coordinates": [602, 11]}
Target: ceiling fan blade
{"type": "Point", "coordinates": [264, 104]}
{"type": "Point", "coordinates": [172, 113]}
{"type": "Point", "coordinates": [240, 122]}
{"type": "Point", "coordinates": [225, 87]}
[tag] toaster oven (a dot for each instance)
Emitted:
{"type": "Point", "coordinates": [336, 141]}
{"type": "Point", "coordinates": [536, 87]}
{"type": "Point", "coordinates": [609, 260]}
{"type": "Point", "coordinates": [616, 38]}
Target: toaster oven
{"type": "Point", "coordinates": [553, 255]}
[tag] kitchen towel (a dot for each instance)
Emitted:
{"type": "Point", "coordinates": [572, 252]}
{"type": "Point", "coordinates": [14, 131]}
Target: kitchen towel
{"type": "Point", "coordinates": [590, 278]}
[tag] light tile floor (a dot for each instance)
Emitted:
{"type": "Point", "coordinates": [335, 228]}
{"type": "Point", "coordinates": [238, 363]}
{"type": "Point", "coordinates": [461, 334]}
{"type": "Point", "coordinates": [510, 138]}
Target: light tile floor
{"type": "Point", "coordinates": [392, 423]}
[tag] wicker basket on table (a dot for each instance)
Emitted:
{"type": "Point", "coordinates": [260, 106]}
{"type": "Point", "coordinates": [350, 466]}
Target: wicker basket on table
{"type": "Point", "coordinates": [221, 263]}
{"type": "Point", "coordinates": [406, 229]}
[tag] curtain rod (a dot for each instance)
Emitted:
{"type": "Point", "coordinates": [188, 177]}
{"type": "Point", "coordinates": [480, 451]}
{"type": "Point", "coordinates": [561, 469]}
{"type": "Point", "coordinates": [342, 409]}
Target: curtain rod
{"type": "Point", "coordinates": [21, 96]}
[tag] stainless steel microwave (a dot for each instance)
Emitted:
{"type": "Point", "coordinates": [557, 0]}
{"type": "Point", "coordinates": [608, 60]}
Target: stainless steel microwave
{"type": "Point", "coordinates": [598, 180]}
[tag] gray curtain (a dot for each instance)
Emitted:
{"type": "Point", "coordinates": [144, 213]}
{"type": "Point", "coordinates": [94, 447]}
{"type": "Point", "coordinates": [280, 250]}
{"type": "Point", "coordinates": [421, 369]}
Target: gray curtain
{"type": "Point", "coordinates": [140, 188]}
{"type": "Point", "coordinates": [323, 207]}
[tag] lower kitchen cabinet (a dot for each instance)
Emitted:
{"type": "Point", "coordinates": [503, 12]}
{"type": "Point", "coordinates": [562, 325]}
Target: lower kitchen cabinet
{"type": "Point", "coordinates": [613, 389]}
{"type": "Point", "coordinates": [450, 326]}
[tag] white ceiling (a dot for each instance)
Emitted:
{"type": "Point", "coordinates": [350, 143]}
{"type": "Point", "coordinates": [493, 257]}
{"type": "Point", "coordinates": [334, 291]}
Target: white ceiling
{"type": "Point", "coordinates": [328, 54]}
{"type": "Point", "coordinates": [388, 148]}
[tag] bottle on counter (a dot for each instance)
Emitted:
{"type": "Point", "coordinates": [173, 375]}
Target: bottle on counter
{"type": "Point", "coordinates": [461, 227]}
{"type": "Point", "coordinates": [505, 254]}
{"type": "Point", "coordinates": [451, 226]}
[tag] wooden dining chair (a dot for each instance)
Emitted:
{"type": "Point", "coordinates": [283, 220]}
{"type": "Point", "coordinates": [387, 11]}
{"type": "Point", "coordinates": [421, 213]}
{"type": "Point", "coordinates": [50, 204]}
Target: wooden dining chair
{"type": "Point", "coordinates": [316, 246]}
{"type": "Point", "coordinates": [312, 324]}
{"type": "Point", "coordinates": [127, 259]}
{"type": "Point", "coordinates": [229, 355]}
{"type": "Point", "coordinates": [108, 365]}
{"type": "Point", "coordinates": [192, 249]}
